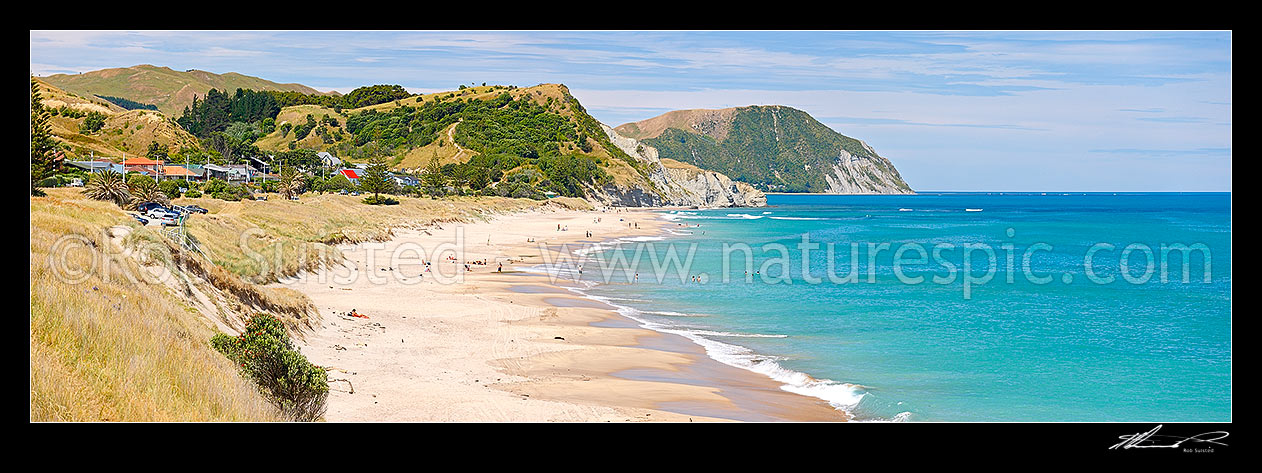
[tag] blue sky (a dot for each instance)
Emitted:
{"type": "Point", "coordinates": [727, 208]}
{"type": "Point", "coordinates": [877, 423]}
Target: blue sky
{"type": "Point", "coordinates": [953, 110]}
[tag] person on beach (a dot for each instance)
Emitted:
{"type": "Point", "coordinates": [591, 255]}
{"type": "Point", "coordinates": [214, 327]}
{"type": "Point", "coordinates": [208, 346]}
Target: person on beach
{"type": "Point", "coordinates": [500, 269]}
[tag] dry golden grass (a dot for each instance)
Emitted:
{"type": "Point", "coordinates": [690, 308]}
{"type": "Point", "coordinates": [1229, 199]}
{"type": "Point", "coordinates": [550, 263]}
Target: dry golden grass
{"type": "Point", "coordinates": [297, 115]}
{"type": "Point", "coordinates": [262, 241]}
{"type": "Point", "coordinates": [120, 345]}
{"type": "Point", "coordinates": [418, 158]}
{"type": "Point", "coordinates": [117, 346]}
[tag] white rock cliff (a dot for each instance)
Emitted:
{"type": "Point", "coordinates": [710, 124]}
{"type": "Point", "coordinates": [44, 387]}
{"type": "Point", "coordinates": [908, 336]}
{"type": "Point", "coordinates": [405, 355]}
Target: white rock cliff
{"type": "Point", "coordinates": [675, 183]}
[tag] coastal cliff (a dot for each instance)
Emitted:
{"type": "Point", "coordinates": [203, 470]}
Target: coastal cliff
{"type": "Point", "coordinates": [773, 148]}
{"type": "Point", "coordinates": [674, 183]}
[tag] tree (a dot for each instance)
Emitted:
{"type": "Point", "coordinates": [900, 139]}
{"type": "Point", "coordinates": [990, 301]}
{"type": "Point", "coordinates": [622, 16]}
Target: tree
{"type": "Point", "coordinates": [171, 188]}
{"type": "Point", "coordinates": [478, 178]}
{"type": "Point", "coordinates": [42, 144]}
{"type": "Point", "coordinates": [157, 151]}
{"type": "Point", "coordinates": [433, 178]}
{"type": "Point", "coordinates": [376, 178]}
{"type": "Point", "coordinates": [145, 189]}
{"type": "Point", "coordinates": [291, 182]}
{"type": "Point", "coordinates": [108, 185]}
{"type": "Point", "coordinates": [93, 123]}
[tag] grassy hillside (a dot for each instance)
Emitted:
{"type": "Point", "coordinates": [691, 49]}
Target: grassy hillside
{"type": "Point", "coordinates": [499, 123]}
{"type": "Point", "coordinates": [125, 132]}
{"type": "Point", "coordinates": [168, 89]}
{"type": "Point", "coordinates": [774, 148]}
{"type": "Point", "coordinates": [117, 342]}
{"type": "Point", "coordinates": [116, 346]}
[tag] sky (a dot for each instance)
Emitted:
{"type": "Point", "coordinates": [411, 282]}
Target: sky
{"type": "Point", "coordinates": [953, 110]}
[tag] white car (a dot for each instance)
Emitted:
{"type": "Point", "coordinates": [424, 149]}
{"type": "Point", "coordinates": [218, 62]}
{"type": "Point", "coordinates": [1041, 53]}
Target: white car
{"type": "Point", "coordinates": [163, 216]}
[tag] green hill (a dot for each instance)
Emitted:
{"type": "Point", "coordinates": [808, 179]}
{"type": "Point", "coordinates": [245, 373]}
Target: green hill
{"type": "Point", "coordinates": [163, 87]}
{"type": "Point", "coordinates": [540, 132]}
{"type": "Point", "coordinates": [773, 148]}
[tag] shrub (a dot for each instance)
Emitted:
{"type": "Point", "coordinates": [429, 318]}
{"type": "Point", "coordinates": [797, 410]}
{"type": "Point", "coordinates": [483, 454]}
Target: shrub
{"type": "Point", "coordinates": [93, 123]}
{"type": "Point", "coordinates": [379, 200]}
{"type": "Point", "coordinates": [193, 193]}
{"type": "Point", "coordinates": [265, 355]}
{"type": "Point", "coordinates": [171, 187]}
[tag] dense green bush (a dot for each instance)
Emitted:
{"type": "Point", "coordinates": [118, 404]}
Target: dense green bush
{"type": "Point", "coordinates": [380, 200]}
{"type": "Point", "coordinates": [171, 187]}
{"type": "Point", "coordinates": [265, 355]}
{"type": "Point", "coordinates": [336, 183]}
{"type": "Point", "coordinates": [220, 189]}
{"type": "Point", "coordinates": [93, 123]}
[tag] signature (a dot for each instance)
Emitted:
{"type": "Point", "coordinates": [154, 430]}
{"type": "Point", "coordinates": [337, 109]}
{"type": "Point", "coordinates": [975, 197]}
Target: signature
{"type": "Point", "coordinates": [1150, 438]}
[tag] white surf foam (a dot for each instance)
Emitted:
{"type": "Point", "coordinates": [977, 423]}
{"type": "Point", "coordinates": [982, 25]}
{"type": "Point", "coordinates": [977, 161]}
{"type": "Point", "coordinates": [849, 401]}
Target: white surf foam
{"type": "Point", "coordinates": [842, 396]}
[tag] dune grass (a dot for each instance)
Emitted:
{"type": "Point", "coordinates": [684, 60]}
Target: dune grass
{"type": "Point", "coordinates": [115, 346]}
{"type": "Point", "coordinates": [120, 346]}
{"type": "Point", "coordinates": [262, 241]}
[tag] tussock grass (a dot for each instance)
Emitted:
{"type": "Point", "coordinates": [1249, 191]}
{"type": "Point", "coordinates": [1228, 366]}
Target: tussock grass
{"type": "Point", "coordinates": [263, 241]}
{"type": "Point", "coordinates": [114, 346]}
{"type": "Point", "coordinates": [121, 346]}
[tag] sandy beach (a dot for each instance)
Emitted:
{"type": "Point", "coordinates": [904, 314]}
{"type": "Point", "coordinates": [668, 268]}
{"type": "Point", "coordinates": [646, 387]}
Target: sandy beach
{"type": "Point", "coordinates": [485, 346]}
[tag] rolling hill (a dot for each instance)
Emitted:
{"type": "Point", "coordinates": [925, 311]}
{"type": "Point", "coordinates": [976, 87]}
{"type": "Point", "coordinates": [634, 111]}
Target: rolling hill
{"type": "Point", "coordinates": [168, 89]}
{"type": "Point", "coordinates": [124, 133]}
{"type": "Point", "coordinates": [513, 130]}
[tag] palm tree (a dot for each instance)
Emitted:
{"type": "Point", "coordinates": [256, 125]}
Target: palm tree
{"type": "Point", "coordinates": [144, 189]}
{"type": "Point", "coordinates": [108, 185]}
{"type": "Point", "coordinates": [291, 182]}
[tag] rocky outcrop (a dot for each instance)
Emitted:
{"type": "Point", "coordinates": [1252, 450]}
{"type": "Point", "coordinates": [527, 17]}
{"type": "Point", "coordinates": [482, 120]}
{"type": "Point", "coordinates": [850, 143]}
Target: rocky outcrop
{"type": "Point", "coordinates": [674, 183]}
{"type": "Point", "coordinates": [864, 175]}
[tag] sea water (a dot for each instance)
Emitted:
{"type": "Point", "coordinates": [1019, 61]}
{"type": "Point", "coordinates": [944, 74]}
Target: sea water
{"type": "Point", "coordinates": [1042, 339]}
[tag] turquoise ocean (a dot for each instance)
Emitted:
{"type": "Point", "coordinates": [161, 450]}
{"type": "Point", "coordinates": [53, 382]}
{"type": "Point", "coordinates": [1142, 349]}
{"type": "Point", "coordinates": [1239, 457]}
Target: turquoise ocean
{"type": "Point", "coordinates": [1041, 339]}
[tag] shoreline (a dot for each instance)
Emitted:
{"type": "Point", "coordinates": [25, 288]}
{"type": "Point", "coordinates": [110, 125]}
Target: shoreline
{"type": "Point", "coordinates": [516, 346]}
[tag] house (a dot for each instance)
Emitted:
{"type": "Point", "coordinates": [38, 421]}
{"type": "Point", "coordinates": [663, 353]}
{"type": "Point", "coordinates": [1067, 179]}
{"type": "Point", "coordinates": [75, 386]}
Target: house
{"type": "Point", "coordinates": [403, 180]}
{"type": "Point", "coordinates": [258, 163]}
{"type": "Point", "coordinates": [97, 166]}
{"type": "Point", "coordinates": [229, 172]}
{"type": "Point", "coordinates": [142, 170]}
{"type": "Point", "coordinates": [184, 172]}
{"type": "Point", "coordinates": [351, 174]}
{"type": "Point", "coordinates": [328, 160]}
{"type": "Point", "coordinates": [142, 165]}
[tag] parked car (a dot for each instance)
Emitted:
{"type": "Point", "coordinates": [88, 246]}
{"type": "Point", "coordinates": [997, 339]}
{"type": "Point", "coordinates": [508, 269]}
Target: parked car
{"type": "Point", "coordinates": [163, 213]}
{"type": "Point", "coordinates": [140, 218]}
{"type": "Point", "coordinates": [188, 209]}
{"type": "Point", "coordinates": [147, 206]}
{"type": "Point", "coordinates": [165, 219]}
